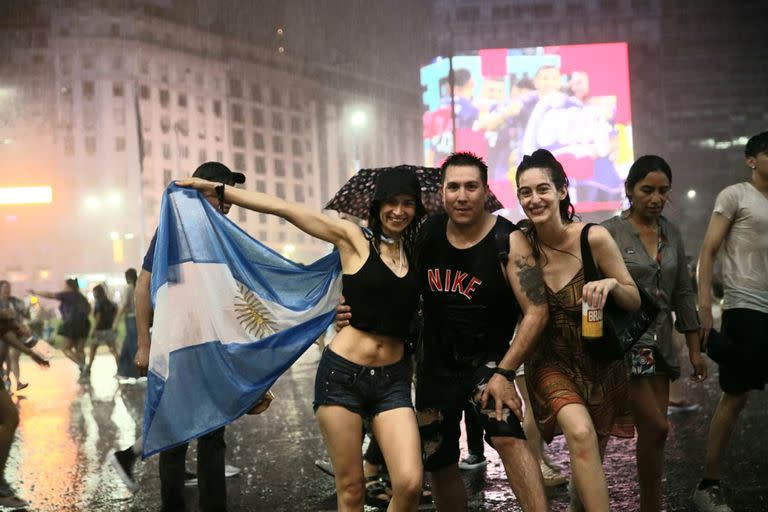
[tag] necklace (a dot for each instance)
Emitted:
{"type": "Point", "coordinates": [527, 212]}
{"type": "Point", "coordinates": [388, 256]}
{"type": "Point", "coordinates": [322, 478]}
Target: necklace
{"type": "Point", "coordinates": [400, 258]}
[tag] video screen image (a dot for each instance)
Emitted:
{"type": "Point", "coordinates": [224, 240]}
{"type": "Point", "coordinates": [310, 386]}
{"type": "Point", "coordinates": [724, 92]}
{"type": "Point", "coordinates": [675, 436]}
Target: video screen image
{"type": "Point", "coordinates": [572, 100]}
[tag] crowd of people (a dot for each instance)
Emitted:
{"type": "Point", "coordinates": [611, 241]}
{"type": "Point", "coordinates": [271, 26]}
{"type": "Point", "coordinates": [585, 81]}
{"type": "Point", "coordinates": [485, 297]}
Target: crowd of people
{"type": "Point", "coordinates": [456, 308]}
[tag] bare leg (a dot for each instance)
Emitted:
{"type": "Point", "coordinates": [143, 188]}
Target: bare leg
{"type": "Point", "coordinates": [9, 420]}
{"type": "Point", "coordinates": [586, 464]}
{"type": "Point", "coordinates": [343, 433]}
{"type": "Point", "coordinates": [523, 472]}
{"type": "Point", "coordinates": [648, 398]}
{"type": "Point", "coordinates": [448, 489]}
{"type": "Point", "coordinates": [13, 364]}
{"type": "Point", "coordinates": [720, 429]}
{"type": "Point", "coordinates": [397, 433]}
{"type": "Point", "coordinates": [69, 350]}
{"type": "Point", "coordinates": [93, 349]}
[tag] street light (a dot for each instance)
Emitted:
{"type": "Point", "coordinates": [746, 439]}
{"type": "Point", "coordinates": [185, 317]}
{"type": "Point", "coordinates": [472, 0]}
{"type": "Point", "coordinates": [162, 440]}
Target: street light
{"type": "Point", "coordinates": [358, 118]}
{"type": "Point", "coordinates": [691, 194]}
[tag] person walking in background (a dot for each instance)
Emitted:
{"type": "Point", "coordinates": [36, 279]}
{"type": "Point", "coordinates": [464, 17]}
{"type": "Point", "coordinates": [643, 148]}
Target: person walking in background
{"type": "Point", "coordinates": [75, 324]}
{"type": "Point", "coordinates": [21, 311]}
{"type": "Point", "coordinates": [653, 251]}
{"type": "Point", "coordinates": [738, 225]}
{"type": "Point", "coordinates": [126, 367]}
{"type": "Point", "coordinates": [572, 393]}
{"type": "Point", "coordinates": [104, 311]}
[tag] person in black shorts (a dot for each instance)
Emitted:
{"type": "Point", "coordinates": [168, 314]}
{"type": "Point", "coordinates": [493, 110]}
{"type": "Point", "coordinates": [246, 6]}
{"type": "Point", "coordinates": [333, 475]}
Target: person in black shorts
{"type": "Point", "coordinates": [471, 304]}
{"type": "Point", "coordinates": [363, 376]}
{"type": "Point", "coordinates": [75, 324]}
{"type": "Point", "coordinates": [739, 216]}
{"type": "Point", "coordinates": [104, 311]}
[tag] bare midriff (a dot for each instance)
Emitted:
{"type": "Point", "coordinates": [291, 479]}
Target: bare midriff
{"type": "Point", "coordinates": [367, 349]}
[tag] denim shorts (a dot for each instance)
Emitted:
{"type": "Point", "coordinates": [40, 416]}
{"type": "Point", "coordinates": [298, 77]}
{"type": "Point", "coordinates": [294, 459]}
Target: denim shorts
{"type": "Point", "coordinates": [365, 390]}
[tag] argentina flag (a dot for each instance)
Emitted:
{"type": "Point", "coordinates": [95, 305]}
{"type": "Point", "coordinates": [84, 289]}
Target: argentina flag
{"type": "Point", "coordinates": [231, 315]}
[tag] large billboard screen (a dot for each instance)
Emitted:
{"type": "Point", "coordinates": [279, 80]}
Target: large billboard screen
{"type": "Point", "coordinates": [572, 100]}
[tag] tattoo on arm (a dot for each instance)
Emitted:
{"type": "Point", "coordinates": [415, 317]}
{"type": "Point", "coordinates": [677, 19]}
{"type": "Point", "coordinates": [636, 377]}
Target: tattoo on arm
{"type": "Point", "coordinates": [531, 281]}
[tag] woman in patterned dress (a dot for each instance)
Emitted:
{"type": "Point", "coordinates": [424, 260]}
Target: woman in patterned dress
{"type": "Point", "coordinates": [571, 393]}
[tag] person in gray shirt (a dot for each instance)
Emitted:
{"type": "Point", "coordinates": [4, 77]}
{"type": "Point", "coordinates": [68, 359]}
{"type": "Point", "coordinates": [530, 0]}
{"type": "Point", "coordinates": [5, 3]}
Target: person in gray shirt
{"type": "Point", "coordinates": [653, 252]}
{"type": "Point", "coordinates": [738, 226]}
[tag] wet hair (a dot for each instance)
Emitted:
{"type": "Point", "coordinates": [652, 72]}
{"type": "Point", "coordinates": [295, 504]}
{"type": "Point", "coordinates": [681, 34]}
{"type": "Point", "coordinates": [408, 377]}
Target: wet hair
{"type": "Point", "coordinates": [642, 167]}
{"type": "Point", "coordinates": [541, 158]}
{"type": "Point", "coordinates": [756, 144]}
{"type": "Point", "coordinates": [99, 293]}
{"type": "Point", "coordinates": [461, 77]}
{"type": "Point", "coordinates": [131, 276]}
{"type": "Point", "coordinates": [72, 283]}
{"type": "Point", "coordinates": [465, 158]}
{"type": "Point", "coordinates": [390, 183]}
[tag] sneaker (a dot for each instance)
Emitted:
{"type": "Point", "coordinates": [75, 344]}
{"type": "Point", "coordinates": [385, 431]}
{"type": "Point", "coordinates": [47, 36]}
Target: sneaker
{"type": "Point", "coordinates": [230, 471]}
{"type": "Point", "coordinates": [190, 478]}
{"type": "Point", "coordinates": [21, 385]}
{"type": "Point", "coordinates": [324, 466]}
{"type": "Point", "coordinates": [710, 499]}
{"type": "Point", "coordinates": [123, 461]}
{"type": "Point", "coordinates": [473, 462]}
{"type": "Point", "coordinates": [681, 407]}
{"type": "Point", "coordinates": [552, 476]}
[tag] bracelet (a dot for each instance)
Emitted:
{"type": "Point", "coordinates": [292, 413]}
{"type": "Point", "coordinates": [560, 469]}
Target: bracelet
{"type": "Point", "coordinates": [220, 196]}
{"type": "Point", "coordinates": [507, 374]}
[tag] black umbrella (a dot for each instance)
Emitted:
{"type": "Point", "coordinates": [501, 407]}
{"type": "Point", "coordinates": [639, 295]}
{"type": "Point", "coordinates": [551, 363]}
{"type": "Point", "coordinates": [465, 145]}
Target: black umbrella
{"type": "Point", "coordinates": [354, 198]}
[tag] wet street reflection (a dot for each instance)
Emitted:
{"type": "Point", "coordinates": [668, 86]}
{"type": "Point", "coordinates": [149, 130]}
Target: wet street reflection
{"type": "Point", "coordinates": [68, 429]}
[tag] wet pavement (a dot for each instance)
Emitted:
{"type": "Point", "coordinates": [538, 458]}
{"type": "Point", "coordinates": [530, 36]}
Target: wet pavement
{"type": "Point", "coordinates": [67, 429]}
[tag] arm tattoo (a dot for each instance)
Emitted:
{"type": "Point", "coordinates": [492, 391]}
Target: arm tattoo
{"type": "Point", "coordinates": [531, 281]}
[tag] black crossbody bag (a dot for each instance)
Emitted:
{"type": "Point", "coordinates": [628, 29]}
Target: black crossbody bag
{"type": "Point", "coordinates": [621, 328]}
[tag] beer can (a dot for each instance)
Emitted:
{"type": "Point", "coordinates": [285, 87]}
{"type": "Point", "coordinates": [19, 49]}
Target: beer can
{"type": "Point", "coordinates": [591, 322]}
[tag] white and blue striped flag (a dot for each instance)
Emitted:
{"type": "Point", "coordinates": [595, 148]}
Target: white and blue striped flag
{"type": "Point", "coordinates": [231, 315]}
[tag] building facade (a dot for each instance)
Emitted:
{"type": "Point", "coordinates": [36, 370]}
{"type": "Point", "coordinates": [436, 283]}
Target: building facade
{"type": "Point", "coordinates": [110, 101]}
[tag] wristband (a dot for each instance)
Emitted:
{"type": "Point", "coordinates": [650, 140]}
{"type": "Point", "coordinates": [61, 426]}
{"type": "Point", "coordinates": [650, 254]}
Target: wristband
{"type": "Point", "coordinates": [220, 196]}
{"type": "Point", "coordinates": [507, 374]}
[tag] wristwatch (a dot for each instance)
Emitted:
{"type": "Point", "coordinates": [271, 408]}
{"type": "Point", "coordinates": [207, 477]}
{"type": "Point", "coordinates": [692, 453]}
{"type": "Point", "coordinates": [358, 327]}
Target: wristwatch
{"type": "Point", "coordinates": [508, 374]}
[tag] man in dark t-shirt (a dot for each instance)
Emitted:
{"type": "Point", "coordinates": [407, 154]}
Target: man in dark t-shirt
{"type": "Point", "coordinates": [471, 307]}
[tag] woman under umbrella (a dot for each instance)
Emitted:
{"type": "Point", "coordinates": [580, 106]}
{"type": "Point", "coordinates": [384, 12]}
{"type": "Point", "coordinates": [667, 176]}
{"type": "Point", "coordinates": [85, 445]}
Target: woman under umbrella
{"type": "Point", "coordinates": [363, 376]}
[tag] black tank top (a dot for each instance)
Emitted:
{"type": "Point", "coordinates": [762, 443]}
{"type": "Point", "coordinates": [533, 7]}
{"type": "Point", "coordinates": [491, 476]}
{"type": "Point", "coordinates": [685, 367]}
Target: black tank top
{"type": "Point", "coordinates": [470, 312]}
{"type": "Point", "coordinates": [381, 302]}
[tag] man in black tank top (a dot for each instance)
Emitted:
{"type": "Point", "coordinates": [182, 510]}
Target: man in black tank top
{"type": "Point", "coordinates": [471, 308]}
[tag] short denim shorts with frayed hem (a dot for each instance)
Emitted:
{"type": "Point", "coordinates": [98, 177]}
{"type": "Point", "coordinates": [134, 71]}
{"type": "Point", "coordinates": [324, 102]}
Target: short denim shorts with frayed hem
{"type": "Point", "coordinates": [365, 390]}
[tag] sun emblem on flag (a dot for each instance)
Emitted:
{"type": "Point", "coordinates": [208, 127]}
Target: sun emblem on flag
{"type": "Point", "coordinates": [253, 315]}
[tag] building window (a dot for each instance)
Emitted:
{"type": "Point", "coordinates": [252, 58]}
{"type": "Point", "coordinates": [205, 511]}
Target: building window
{"type": "Point", "coordinates": [144, 92]}
{"type": "Point", "coordinates": [237, 113]}
{"type": "Point", "coordinates": [164, 73]}
{"type": "Point", "coordinates": [298, 193]}
{"type": "Point", "coordinates": [217, 108]}
{"type": "Point", "coordinates": [260, 165]}
{"type": "Point", "coordinates": [114, 30]}
{"type": "Point", "coordinates": [279, 167]}
{"type": "Point", "coordinates": [120, 144]}
{"type": "Point", "coordinates": [275, 97]}
{"type": "Point", "coordinates": [219, 156]}
{"type": "Point", "coordinates": [200, 104]}
{"type": "Point", "coordinates": [65, 62]}
{"type": "Point", "coordinates": [144, 66]}
{"type": "Point", "coordinates": [166, 151]}
{"type": "Point", "coordinates": [118, 91]}
{"type": "Point", "coordinates": [242, 215]}
{"type": "Point", "coordinates": [183, 152]}
{"type": "Point", "coordinates": [281, 234]}
{"type": "Point", "coordinates": [501, 11]}
{"type": "Point", "coordinates": [277, 121]}
{"type": "Point", "coordinates": [239, 159]}
{"type": "Point", "coordinates": [298, 172]}
{"type": "Point", "coordinates": [280, 190]}
{"type": "Point", "coordinates": [89, 89]}
{"type": "Point", "coordinates": [263, 219]}
{"type": "Point", "coordinates": [202, 157]}
{"type": "Point", "coordinates": [261, 186]}
{"type": "Point", "coordinates": [167, 176]}
{"type": "Point", "coordinates": [165, 124]}
{"type": "Point", "coordinates": [165, 98]}
{"type": "Point", "coordinates": [69, 145]}
{"type": "Point", "coordinates": [258, 141]}
{"type": "Point", "coordinates": [182, 100]}
{"type": "Point", "coordinates": [263, 236]}
{"type": "Point", "coordinates": [90, 145]}
{"type": "Point", "coordinates": [468, 14]}
{"type": "Point", "coordinates": [257, 117]}
{"type": "Point", "coordinates": [88, 61]}
{"type": "Point", "coordinates": [256, 93]}
{"type": "Point", "coordinates": [277, 144]}
{"type": "Point", "coordinates": [295, 125]}
{"type": "Point", "coordinates": [146, 146]}
{"type": "Point", "coordinates": [235, 88]}
{"type": "Point", "coordinates": [294, 103]}
{"type": "Point", "coordinates": [117, 63]}
{"type": "Point", "coordinates": [238, 138]}
{"type": "Point", "coordinates": [296, 147]}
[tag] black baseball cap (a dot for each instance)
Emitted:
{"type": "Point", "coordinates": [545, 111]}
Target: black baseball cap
{"type": "Point", "coordinates": [216, 171]}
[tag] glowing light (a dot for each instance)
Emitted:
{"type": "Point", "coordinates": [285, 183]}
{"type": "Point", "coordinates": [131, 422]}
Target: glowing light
{"type": "Point", "coordinates": [114, 235]}
{"type": "Point", "coordinates": [288, 250]}
{"type": "Point", "coordinates": [92, 202]}
{"type": "Point", "coordinates": [691, 194]}
{"type": "Point", "coordinates": [129, 236]}
{"type": "Point", "coordinates": [26, 195]}
{"type": "Point", "coordinates": [45, 274]}
{"type": "Point", "coordinates": [358, 118]}
{"type": "Point", "coordinates": [114, 199]}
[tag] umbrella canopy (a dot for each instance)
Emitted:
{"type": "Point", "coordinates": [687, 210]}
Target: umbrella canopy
{"type": "Point", "coordinates": [354, 198]}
